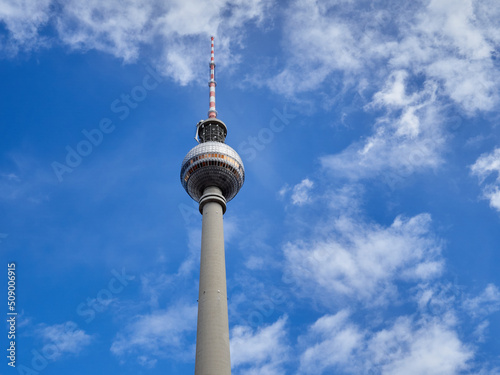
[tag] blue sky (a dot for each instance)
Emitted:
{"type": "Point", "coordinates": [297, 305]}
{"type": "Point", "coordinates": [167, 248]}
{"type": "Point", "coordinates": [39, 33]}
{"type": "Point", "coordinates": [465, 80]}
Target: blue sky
{"type": "Point", "coordinates": [365, 239]}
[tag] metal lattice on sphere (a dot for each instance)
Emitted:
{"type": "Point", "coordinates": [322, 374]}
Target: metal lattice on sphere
{"type": "Point", "coordinates": [212, 164]}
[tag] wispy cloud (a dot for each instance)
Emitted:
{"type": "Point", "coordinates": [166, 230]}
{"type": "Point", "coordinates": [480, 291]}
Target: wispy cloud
{"type": "Point", "coordinates": [484, 304]}
{"type": "Point", "coordinates": [486, 165]}
{"type": "Point", "coordinates": [406, 139]}
{"type": "Point", "coordinates": [61, 339]}
{"type": "Point", "coordinates": [190, 263]}
{"type": "Point", "coordinates": [156, 335]}
{"type": "Point", "coordinates": [25, 181]}
{"type": "Point", "coordinates": [301, 192]}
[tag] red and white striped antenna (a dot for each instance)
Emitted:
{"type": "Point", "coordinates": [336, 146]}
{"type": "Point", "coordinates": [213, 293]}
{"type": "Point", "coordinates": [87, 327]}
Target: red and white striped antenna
{"type": "Point", "coordinates": [212, 113]}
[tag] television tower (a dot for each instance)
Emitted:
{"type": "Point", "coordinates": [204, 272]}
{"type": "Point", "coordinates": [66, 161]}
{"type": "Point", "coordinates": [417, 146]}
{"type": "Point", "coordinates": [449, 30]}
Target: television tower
{"type": "Point", "coordinates": [212, 174]}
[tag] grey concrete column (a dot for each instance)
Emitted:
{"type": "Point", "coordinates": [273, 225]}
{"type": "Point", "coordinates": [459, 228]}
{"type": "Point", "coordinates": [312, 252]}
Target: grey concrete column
{"type": "Point", "coordinates": [212, 337]}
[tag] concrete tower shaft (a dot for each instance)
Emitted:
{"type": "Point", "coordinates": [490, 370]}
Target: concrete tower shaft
{"type": "Point", "coordinates": [212, 335]}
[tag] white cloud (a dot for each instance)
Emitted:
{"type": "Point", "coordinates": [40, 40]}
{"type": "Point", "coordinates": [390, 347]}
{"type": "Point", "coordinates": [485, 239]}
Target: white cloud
{"type": "Point", "coordinates": [472, 84]}
{"type": "Point", "coordinates": [259, 352]}
{"type": "Point", "coordinates": [321, 45]}
{"type": "Point", "coordinates": [394, 92]}
{"type": "Point", "coordinates": [427, 346]}
{"type": "Point", "coordinates": [486, 165]}
{"type": "Point", "coordinates": [333, 342]}
{"type": "Point", "coordinates": [60, 339]}
{"type": "Point", "coordinates": [455, 20]}
{"type": "Point", "coordinates": [159, 334]}
{"type": "Point", "coordinates": [24, 19]}
{"type": "Point", "coordinates": [414, 58]}
{"type": "Point", "coordinates": [405, 140]}
{"type": "Point", "coordinates": [300, 195]}
{"type": "Point", "coordinates": [127, 29]}
{"type": "Point", "coordinates": [356, 260]}
{"type": "Point", "coordinates": [450, 42]}
{"type": "Point", "coordinates": [116, 27]}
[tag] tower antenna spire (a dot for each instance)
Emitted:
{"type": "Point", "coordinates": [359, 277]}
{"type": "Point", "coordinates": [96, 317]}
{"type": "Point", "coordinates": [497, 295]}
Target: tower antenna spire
{"type": "Point", "coordinates": [212, 113]}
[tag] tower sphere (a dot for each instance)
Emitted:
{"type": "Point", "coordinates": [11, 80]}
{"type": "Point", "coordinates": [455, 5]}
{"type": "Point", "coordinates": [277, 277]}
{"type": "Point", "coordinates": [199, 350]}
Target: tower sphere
{"type": "Point", "coordinates": [212, 164]}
